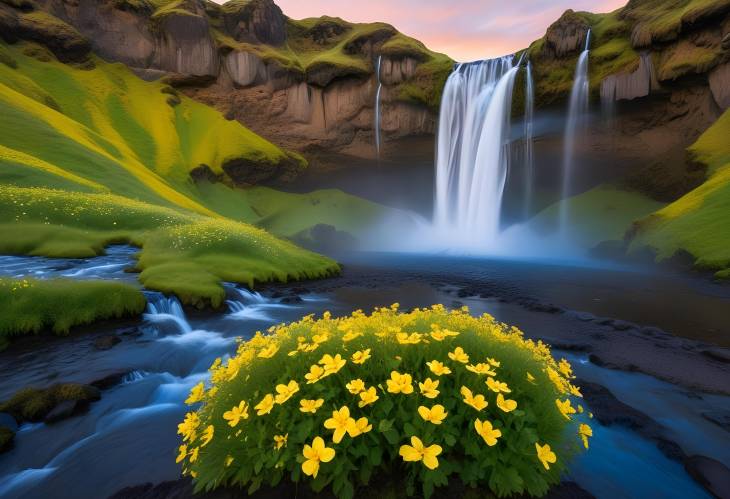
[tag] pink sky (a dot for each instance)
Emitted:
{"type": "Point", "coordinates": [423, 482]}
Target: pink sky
{"type": "Point", "coordinates": [464, 29]}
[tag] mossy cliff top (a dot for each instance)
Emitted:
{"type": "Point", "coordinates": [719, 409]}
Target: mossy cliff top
{"type": "Point", "coordinates": [683, 37]}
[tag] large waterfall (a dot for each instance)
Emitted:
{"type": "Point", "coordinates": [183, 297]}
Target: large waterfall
{"type": "Point", "coordinates": [473, 151]}
{"type": "Point", "coordinates": [376, 125]}
{"type": "Point", "coordinates": [577, 109]}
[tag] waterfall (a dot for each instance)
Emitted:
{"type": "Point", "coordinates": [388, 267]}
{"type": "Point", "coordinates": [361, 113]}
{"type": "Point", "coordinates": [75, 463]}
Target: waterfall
{"type": "Point", "coordinates": [472, 156]}
{"type": "Point", "coordinates": [377, 107]}
{"type": "Point", "coordinates": [162, 309]}
{"type": "Point", "coordinates": [528, 153]}
{"type": "Point", "coordinates": [577, 109]}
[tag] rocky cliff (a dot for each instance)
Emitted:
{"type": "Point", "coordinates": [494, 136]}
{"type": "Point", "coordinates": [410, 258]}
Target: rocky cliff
{"type": "Point", "coordinates": [301, 83]}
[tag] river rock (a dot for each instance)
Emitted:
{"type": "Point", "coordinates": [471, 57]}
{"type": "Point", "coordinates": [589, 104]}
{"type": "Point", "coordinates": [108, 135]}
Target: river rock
{"type": "Point", "coordinates": [63, 410]}
{"type": "Point", "coordinates": [8, 421]}
{"type": "Point", "coordinates": [712, 474]}
{"type": "Point", "coordinates": [106, 342]}
{"type": "Point", "coordinates": [7, 436]}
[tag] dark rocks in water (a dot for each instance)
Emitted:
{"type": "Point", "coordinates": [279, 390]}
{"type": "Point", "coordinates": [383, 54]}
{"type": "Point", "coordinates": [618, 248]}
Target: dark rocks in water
{"type": "Point", "coordinates": [711, 474]}
{"type": "Point", "coordinates": [584, 316]}
{"type": "Point", "coordinates": [8, 421]}
{"type": "Point", "coordinates": [291, 299]}
{"type": "Point", "coordinates": [109, 381]}
{"type": "Point", "coordinates": [35, 404]}
{"type": "Point", "coordinates": [106, 342]}
{"type": "Point", "coordinates": [64, 410]}
{"type": "Point", "coordinates": [129, 331]}
{"type": "Point", "coordinates": [721, 419]}
{"type": "Point", "coordinates": [7, 436]}
{"type": "Point", "coordinates": [718, 354]}
{"type": "Point", "coordinates": [571, 346]}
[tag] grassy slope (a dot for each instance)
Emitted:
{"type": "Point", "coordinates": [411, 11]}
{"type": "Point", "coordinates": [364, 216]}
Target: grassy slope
{"type": "Point", "coordinates": [698, 221]}
{"type": "Point", "coordinates": [600, 214]}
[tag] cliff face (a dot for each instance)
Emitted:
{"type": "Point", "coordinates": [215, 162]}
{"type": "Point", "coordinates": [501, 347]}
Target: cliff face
{"type": "Point", "coordinates": [302, 83]}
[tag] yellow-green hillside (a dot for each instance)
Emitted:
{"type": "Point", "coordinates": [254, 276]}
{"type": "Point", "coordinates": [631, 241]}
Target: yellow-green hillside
{"type": "Point", "coordinates": [698, 221]}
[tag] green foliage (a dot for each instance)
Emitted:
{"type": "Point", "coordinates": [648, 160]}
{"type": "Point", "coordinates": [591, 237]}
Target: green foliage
{"type": "Point", "coordinates": [182, 252]}
{"type": "Point", "coordinates": [33, 404]}
{"type": "Point", "coordinates": [697, 222]}
{"type": "Point", "coordinates": [283, 395]}
{"type": "Point", "coordinates": [31, 305]}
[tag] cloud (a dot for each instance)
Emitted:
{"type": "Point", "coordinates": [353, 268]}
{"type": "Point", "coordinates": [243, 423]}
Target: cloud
{"type": "Point", "coordinates": [463, 29]}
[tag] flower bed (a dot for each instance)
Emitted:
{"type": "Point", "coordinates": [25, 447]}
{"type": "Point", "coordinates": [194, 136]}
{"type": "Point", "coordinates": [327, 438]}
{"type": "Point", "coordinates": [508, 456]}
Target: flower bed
{"type": "Point", "coordinates": [429, 396]}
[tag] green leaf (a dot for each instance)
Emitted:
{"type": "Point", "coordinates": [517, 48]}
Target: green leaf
{"type": "Point", "coordinates": [385, 425]}
{"type": "Point", "coordinates": [391, 436]}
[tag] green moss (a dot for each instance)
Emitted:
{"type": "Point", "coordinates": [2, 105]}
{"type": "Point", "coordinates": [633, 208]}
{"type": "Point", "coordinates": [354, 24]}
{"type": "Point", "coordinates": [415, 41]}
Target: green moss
{"type": "Point", "coordinates": [427, 85]}
{"type": "Point", "coordinates": [697, 222]}
{"type": "Point", "coordinates": [33, 404]}
{"type": "Point", "coordinates": [30, 306]}
{"type": "Point", "coordinates": [661, 20]}
{"type": "Point", "coordinates": [600, 214]}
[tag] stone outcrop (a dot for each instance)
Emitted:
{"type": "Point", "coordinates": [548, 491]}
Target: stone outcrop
{"type": "Point", "coordinates": [256, 21]}
{"type": "Point", "coordinates": [566, 36]}
{"type": "Point", "coordinates": [720, 85]}
{"type": "Point", "coordinates": [628, 86]}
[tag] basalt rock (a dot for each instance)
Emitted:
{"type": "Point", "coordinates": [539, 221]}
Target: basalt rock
{"type": "Point", "coordinates": [628, 86]}
{"type": "Point", "coordinates": [720, 85]}
{"type": "Point", "coordinates": [256, 21]}
{"type": "Point", "coordinates": [566, 36]}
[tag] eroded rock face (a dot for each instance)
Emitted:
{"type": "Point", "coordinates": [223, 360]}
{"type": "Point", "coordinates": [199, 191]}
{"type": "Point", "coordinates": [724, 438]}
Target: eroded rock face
{"type": "Point", "coordinates": [566, 36]}
{"type": "Point", "coordinates": [720, 85]}
{"type": "Point", "coordinates": [397, 70]}
{"type": "Point", "coordinates": [628, 86]}
{"type": "Point", "coordinates": [186, 46]}
{"type": "Point", "coordinates": [257, 21]}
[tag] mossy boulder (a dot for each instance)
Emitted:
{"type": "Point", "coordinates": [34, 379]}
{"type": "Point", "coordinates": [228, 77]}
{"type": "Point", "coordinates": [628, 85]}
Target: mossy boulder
{"type": "Point", "coordinates": [566, 36]}
{"type": "Point", "coordinates": [6, 439]}
{"type": "Point", "coordinates": [35, 404]}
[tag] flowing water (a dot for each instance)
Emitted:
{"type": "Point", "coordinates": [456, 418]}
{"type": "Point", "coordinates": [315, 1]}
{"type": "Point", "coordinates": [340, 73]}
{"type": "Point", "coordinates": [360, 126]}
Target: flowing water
{"type": "Point", "coordinates": [528, 159]}
{"type": "Point", "coordinates": [577, 110]}
{"type": "Point", "coordinates": [377, 107]}
{"type": "Point", "coordinates": [128, 437]}
{"type": "Point", "coordinates": [472, 151]}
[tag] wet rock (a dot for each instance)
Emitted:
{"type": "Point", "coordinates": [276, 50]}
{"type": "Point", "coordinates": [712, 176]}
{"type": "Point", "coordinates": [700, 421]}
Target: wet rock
{"type": "Point", "coordinates": [106, 342]}
{"type": "Point", "coordinates": [35, 404]}
{"type": "Point", "coordinates": [62, 411]}
{"type": "Point", "coordinates": [291, 299]}
{"type": "Point", "coordinates": [584, 316]}
{"type": "Point", "coordinates": [571, 346]}
{"type": "Point", "coordinates": [129, 331]}
{"type": "Point", "coordinates": [7, 436]}
{"type": "Point", "coordinates": [8, 421]}
{"type": "Point", "coordinates": [718, 354]}
{"type": "Point", "coordinates": [711, 474]}
{"type": "Point", "coordinates": [109, 381]}
{"type": "Point", "coordinates": [721, 419]}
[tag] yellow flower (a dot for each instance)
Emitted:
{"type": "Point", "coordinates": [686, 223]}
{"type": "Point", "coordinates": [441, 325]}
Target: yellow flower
{"type": "Point", "coordinates": [269, 351]}
{"type": "Point", "coordinates": [438, 368]}
{"type": "Point", "coordinates": [506, 405]}
{"type": "Point", "coordinates": [530, 378]}
{"type": "Point", "coordinates": [408, 339]}
{"type": "Point", "coordinates": [315, 374]}
{"type": "Point", "coordinates": [188, 427]}
{"type": "Point", "coordinates": [585, 431]}
{"type": "Point", "coordinates": [477, 402]}
{"type": "Point", "coordinates": [332, 364]}
{"type": "Point", "coordinates": [545, 455]}
{"type": "Point", "coordinates": [565, 368]}
{"type": "Point", "coordinates": [574, 390]}
{"type": "Point", "coordinates": [196, 394]}
{"type": "Point", "coordinates": [438, 335]}
{"type": "Point", "coordinates": [341, 423]}
{"type": "Point", "coordinates": [280, 441]}
{"type": "Point", "coordinates": [400, 383]}
{"type": "Point", "coordinates": [363, 426]}
{"type": "Point", "coordinates": [194, 454]}
{"type": "Point", "coordinates": [565, 408]}
{"type": "Point", "coordinates": [315, 454]}
{"type": "Point", "coordinates": [284, 392]}
{"type": "Point", "coordinates": [355, 386]}
{"type": "Point", "coordinates": [435, 414]}
{"type": "Point", "coordinates": [349, 336]}
{"type": "Point", "coordinates": [368, 397]}
{"type": "Point", "coordinates": [458, 355]}
{"type": "Point", "coordinates": [310, 405]}
{"type": "Point", "coordinates": [320, 338]}
{"type": "Point", "coordinates": [481, 369]}
{"type": "Point", "coordinates": [265, 406]}
{"type": "Point", "coordinates": [419, 452]}
{"type": "Point", "coordinates": [429, 388]}
{"type": "Point", "coordinates": [228, 461]}
{"type": "Point", "coordinates": [497, 386]}
{"type": "Point", "coordinates": [580, 409]}
{"type": "Point", "coordinates": [183, 451]}
{"type": "Point", "coordinates": [207, 435]}
{"type": "Point", "coordinates": [494, 362]}
{"type": "Point", "coordinates": [487, 432]}
{"type": "Point", "coordinates": [361, 356]}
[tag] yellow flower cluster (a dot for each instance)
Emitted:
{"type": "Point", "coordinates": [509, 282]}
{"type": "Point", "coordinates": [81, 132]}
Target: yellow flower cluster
{"type": "Point", "coordinates": [452, 369]}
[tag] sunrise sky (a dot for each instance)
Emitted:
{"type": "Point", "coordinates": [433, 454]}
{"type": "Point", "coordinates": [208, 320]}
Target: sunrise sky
{"type": "Point", "coordinates": [464, 29]}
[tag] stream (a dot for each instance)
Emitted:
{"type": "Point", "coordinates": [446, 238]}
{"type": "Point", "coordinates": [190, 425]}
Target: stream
{"type": "Point", "coordinates": [129, 436]}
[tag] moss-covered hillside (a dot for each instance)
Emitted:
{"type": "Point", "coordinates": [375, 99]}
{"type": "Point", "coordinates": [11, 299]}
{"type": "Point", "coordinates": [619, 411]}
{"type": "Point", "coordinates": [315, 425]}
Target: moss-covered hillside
{"type": "Point", "coordinates": [678, 33]}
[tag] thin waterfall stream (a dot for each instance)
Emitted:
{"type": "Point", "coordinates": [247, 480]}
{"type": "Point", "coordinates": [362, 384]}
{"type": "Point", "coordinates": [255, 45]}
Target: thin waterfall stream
{"type": "Point", "coordinates": [377, 106]}
{"type": "Point", "coordinates": [528, 158]}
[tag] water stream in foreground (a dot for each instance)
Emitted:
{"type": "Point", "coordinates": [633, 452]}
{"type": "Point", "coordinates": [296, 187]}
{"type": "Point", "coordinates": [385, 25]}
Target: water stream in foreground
{"type": "Point", "coordinates": [128, 437]}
